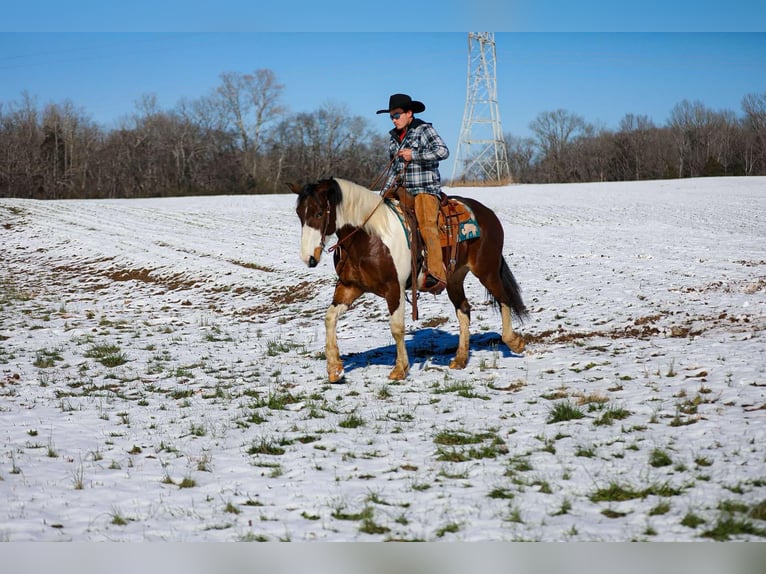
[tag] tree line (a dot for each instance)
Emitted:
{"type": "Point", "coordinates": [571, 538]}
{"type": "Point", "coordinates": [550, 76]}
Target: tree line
{"type": "Point", "coordinates": [696, 141]}
{"type": "Point", "coordinates": [239, 139]}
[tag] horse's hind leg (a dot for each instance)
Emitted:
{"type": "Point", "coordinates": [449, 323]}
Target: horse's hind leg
{"type": "Point", "coordinates": [514, 341]}
{"type": "Point", "coordinates": [494, 285]}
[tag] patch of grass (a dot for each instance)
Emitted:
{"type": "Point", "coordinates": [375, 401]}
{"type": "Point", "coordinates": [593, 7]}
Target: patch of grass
{"type": "Point", "coordinates": [659, 458]}
{"type": "Point", "coordinates": [458, 437]}
{"type": "Point", "coordinates": [369, 526]}
{"type": "Point", "coordinates": [587, 452]}
{"type": "Point", "coordinates": [611, 513]}
{"type": "Point", "coordinates": [107, 354]}
{"type": "Point", "coordinates": [758, 511]}
{"type": "Point", "coordinates": [518, 464]}
{"type": "Point", "coordinates": [728, 526]}
{"type": "Point", "coordinates": [514, 515]}
{"type": "Point", "coordinates": [565, 507]}
{"type": "Point", "coordinates": [489, 445]}
{"type": "Point", "coordinates": [452, 527]}
{"type": "Point", "coordinates": [661, 508]}
{"type": "Point", "coordinates": [339, 513]}
{"type": "Point", "coordinates": [679, 421]}
{"type": "Point", "coordinates": [618, 492]}
{"type": "Point", "coordinates": [47, 358]}
{"type": "Point", "coordinates": [187, 482]}
{"type": "Point", "coordinates": [500, 493]}
{"type": "Point", "coordinates": [474, 453]}
{"type": "Point", "coordinates": [461, 388]}
{"type": "Point", "coordinates": [118, 519]}
{"type": "Point", "coordinates": [351, 421]}
{"type": "Point", "coordinates": [611, 414]}
{"type": "Point", "coordinates": [691, 520]}
{"type": "Point", "coordinates": [276, 347]}
{"type": "Point", "coordinates": [564, 411]}
{"type": "Point", "coordinates": [276, 400]}
{"type": "Point", "coordinates": [265, 446]}
{"type": "Point", "coordinates": [732, 506]}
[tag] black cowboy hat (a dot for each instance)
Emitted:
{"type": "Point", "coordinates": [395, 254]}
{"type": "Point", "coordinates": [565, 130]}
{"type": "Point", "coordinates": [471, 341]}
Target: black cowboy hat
{"type": "Point", "coordinates": [404, 102]}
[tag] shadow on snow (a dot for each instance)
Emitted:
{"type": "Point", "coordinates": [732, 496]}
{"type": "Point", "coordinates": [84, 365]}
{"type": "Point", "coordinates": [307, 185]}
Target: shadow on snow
{"type": "Point", "coordinates": [432, 346]}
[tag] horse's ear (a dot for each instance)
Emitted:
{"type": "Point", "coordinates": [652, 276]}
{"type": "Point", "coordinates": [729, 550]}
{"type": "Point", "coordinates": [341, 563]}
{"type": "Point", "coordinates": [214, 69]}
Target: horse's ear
{"type": "Point", "coordinates": [294, 188]}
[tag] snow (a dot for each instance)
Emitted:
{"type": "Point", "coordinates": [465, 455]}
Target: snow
{"type": "Point", "coordinates": [646, 302]}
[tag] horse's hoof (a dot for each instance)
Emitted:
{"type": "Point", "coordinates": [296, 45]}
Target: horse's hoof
{"type": "Point", "coordinates": [517, 345]}
{"type": "Point", "coordinates": [456, 364]}
{"type": "Point", "coordinates": [398, 374]}
{"type": "Point", "coordinates": [336, 375]}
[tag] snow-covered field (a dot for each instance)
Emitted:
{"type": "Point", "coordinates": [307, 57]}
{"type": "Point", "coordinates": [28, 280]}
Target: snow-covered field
{"type": "Point", "coordinates": [162, 376]}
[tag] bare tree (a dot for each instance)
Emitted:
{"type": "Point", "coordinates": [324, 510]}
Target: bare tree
{"type": "Point", "coordinates": [693, 126]}
{"type": "Point", "coordinates": [554, 131]}
{"type": "Point", "coordinates": [632, 141]}
{"type": "Point", "coordinates": [521, 152]}
{"type": "Point", "coordinates": [250, 102]}
{"type": "Point", "coordinates": [754, 106]}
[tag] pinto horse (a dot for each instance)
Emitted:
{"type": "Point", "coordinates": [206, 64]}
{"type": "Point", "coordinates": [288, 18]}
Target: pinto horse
{"type": "Point", "coordinates": [373, 256]}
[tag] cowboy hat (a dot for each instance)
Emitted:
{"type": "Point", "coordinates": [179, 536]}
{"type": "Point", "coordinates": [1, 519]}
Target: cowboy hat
{"type": "Point", "coordinates": [404, 102]}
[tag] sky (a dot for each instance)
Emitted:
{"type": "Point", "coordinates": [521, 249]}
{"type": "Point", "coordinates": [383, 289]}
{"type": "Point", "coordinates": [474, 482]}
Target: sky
{"type": "Point", "coordinates": [593, 59]}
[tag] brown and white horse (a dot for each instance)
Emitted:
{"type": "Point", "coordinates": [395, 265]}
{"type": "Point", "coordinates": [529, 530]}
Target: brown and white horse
{"type": "Point", "coordinates": [373, 256]}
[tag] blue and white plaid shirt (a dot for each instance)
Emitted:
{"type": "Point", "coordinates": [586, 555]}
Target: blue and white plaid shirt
{"type": "Point", "coordinates": [421, 175]}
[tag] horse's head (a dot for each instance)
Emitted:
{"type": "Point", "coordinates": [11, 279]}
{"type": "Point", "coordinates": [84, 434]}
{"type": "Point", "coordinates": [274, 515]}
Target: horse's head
{"type": "Point", "coordinates": [316, 207]}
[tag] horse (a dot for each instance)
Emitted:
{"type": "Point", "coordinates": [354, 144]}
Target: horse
{"type": "Point", "coordinates": [373, 256]}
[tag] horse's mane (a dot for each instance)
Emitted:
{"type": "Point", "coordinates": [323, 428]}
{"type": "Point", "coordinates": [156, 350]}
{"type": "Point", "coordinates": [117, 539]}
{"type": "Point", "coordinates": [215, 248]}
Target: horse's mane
{"type": "Point", "coordinates": [362, 207]}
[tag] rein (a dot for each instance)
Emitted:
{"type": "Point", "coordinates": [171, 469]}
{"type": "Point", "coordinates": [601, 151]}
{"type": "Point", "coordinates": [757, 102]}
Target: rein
{"type": "Point", "coordinates": [334, 247]}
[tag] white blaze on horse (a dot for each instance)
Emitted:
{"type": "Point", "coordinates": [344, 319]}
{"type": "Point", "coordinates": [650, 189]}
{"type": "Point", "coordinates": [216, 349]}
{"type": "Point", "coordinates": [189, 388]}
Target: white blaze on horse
{"type": "Point", "coordinates": [373, 256]}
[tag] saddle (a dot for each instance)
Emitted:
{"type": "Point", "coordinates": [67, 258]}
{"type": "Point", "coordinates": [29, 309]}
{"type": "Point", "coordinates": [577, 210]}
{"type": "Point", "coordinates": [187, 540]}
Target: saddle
{"type": "Point", "coordinates": [456, 223]}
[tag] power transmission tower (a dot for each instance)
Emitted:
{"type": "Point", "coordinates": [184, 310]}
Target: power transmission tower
{"type": "Point", "coordinates": [481, 152]}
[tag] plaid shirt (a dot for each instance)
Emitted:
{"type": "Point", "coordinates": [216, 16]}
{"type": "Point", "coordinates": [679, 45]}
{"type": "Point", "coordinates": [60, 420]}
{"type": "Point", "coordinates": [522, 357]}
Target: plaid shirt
{"type": "Point", "coordinates": [421, 175]}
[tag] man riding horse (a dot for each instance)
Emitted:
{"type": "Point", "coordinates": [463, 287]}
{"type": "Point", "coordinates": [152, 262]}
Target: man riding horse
{"type": "Point", "coordinates": [415, 149]}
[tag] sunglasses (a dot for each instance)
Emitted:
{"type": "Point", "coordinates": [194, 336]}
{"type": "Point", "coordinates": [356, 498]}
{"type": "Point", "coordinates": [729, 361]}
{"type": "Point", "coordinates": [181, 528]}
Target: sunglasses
{"type": "Point", "coordinates": [396, 116]}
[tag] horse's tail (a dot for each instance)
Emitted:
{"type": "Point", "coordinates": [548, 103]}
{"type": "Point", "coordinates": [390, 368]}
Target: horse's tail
{"type": "Point", "coordinates": [512, 292]}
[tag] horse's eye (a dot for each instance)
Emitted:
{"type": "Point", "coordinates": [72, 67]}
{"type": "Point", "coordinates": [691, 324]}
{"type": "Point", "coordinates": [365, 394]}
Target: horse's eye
{"type": "Point", "coordinates": [319, 214]}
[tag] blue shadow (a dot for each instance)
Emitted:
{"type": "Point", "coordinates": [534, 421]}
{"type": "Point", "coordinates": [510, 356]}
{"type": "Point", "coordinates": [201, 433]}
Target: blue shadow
{"type": "Point", "coordinates": [427, 345]}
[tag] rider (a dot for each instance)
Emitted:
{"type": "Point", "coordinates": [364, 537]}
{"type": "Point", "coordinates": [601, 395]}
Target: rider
{"type": "Point", "coordinates": [416, 150]}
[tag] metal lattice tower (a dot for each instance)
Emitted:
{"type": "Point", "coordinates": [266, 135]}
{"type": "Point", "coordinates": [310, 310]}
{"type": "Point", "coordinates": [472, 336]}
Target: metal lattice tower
{"type": "Point", "coordinates": [481, 152]}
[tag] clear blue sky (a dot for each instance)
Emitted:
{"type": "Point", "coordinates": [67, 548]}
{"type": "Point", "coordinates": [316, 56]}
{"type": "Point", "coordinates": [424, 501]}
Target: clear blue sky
{"type": "Point", "coordinates": [590, 57]}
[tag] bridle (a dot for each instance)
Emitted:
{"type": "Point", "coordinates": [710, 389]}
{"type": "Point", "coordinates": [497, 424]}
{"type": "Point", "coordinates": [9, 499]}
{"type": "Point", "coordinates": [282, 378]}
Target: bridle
{"type": "Point", "coordinates": [323, 232]}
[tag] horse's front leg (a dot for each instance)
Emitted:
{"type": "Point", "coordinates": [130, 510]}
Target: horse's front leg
{"type": "Point", "coordinates": [334, 364]}
{"type": "Point", "coordinates": [464, 320]}
{"type": "Point", "coordinates": [341, 301]}
{"type": "Point", "coordinates": [396, 320]}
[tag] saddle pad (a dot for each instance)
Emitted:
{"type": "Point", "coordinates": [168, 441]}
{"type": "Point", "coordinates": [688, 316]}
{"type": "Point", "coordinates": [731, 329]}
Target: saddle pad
{"type": "Point", "coordinates": [457, 220]}
{"type": "Point", "coordinates": [394, 206]}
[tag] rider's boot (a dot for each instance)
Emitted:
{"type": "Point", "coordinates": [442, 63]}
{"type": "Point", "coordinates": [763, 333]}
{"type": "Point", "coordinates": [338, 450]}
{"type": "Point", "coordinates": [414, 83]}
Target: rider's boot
{"type": "Point", "coordinates": [426, 212]}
